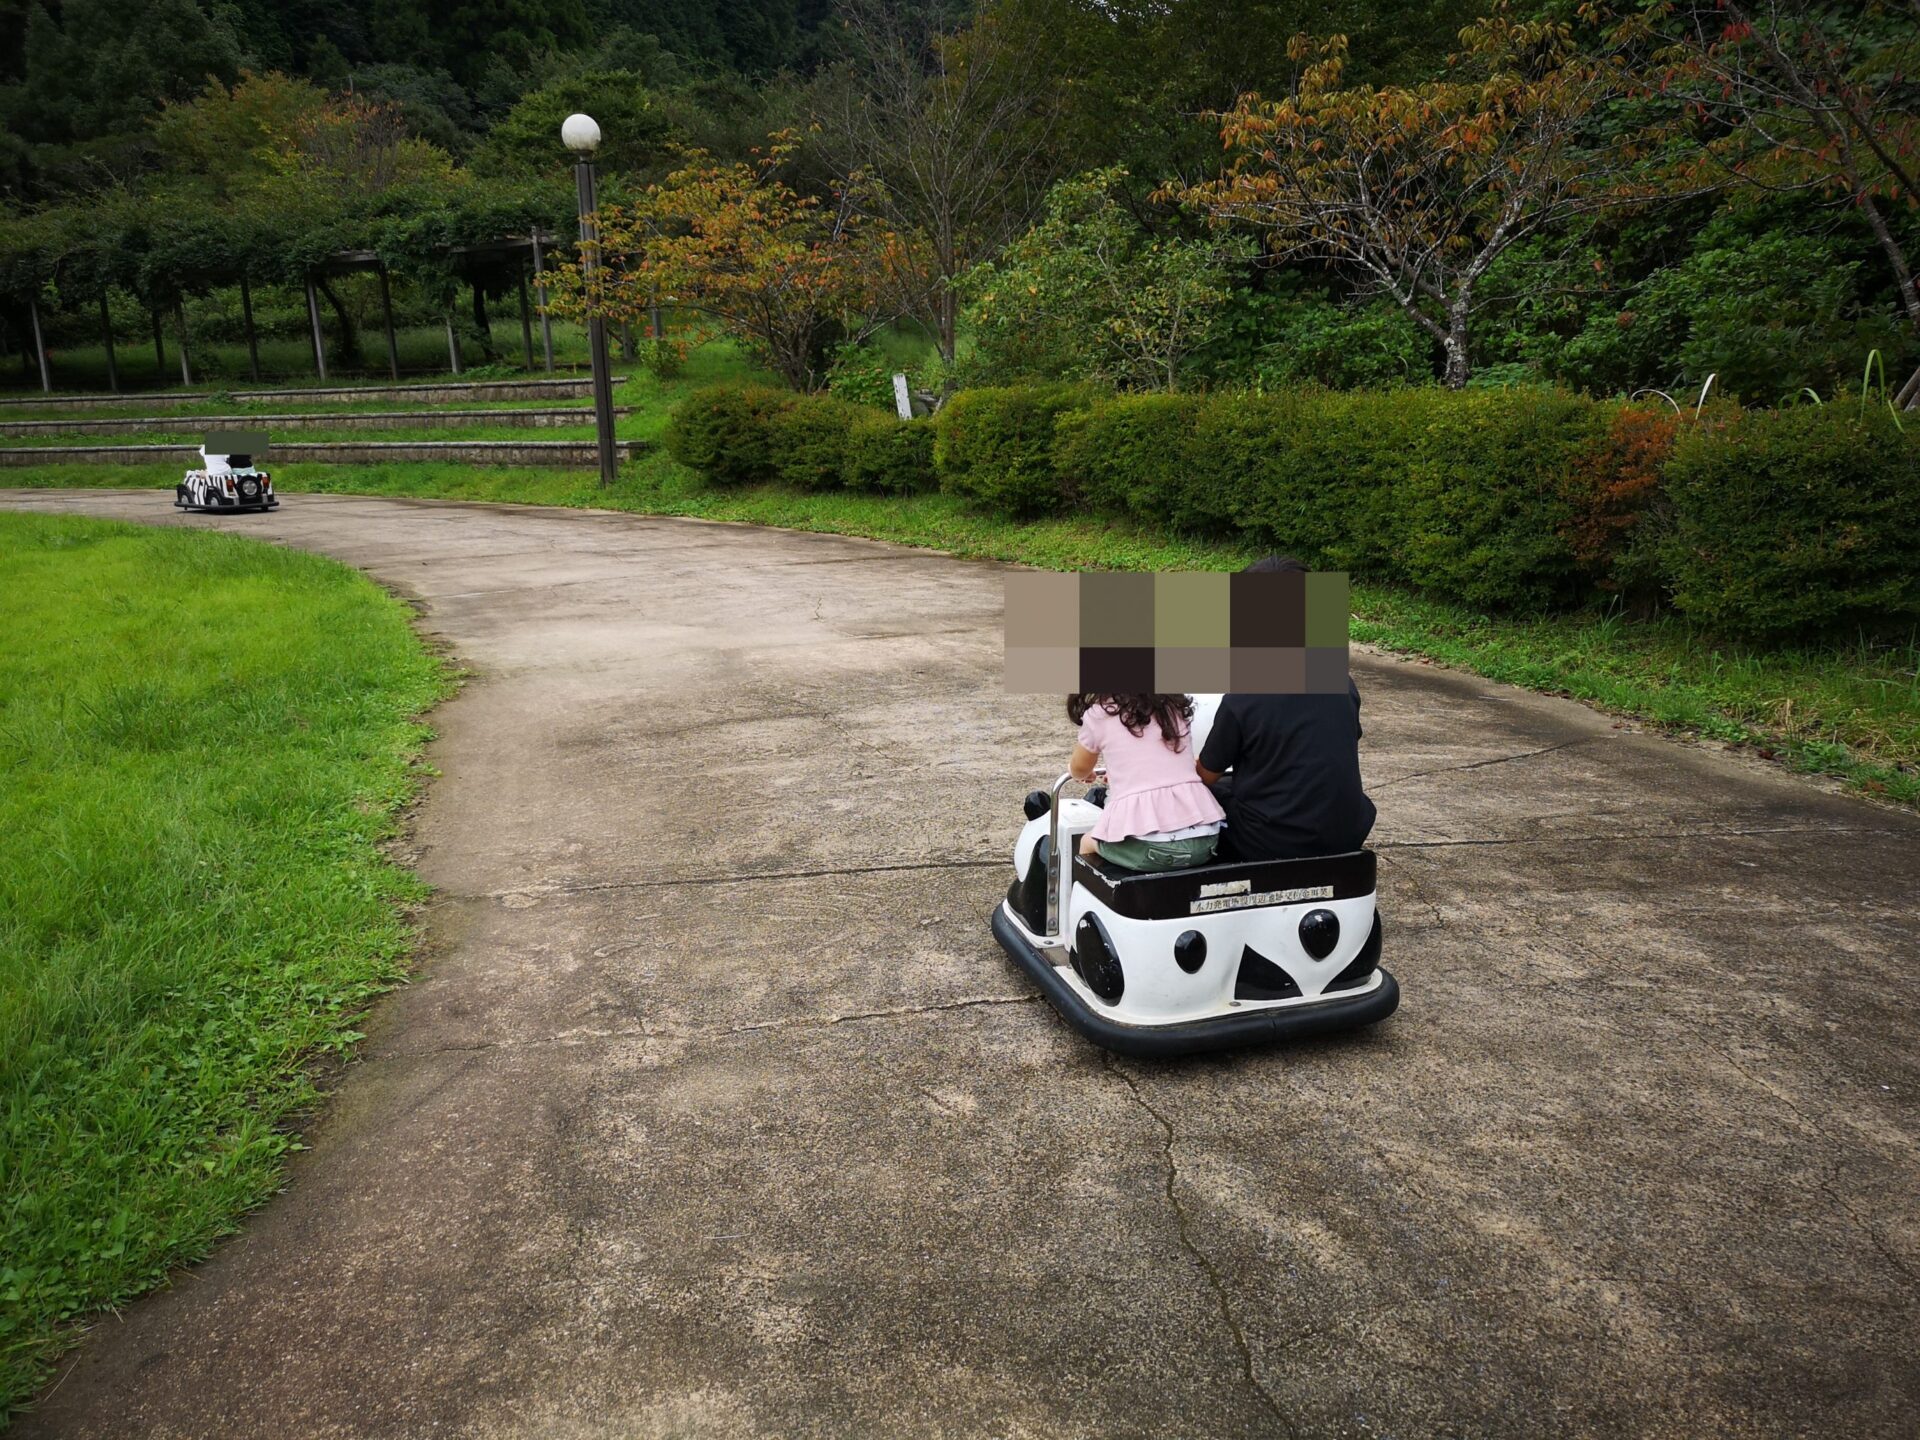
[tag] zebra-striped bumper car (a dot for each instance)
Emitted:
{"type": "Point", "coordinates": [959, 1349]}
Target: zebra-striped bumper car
{"type": "Point", "coordinates": [1182, 961]}
{"type": "Point", "coordinates": [228, 479]}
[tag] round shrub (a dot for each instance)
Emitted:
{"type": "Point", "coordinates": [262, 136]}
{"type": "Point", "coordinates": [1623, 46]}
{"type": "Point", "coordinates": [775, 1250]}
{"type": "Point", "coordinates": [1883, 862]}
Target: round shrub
{"type": "Point", "coordinates": [994, 446]}
{"type": "Point", "coordinates": [888, 455]}
{"type": "Point", "coordinates": [725, 432]}
{"type": "Point", "coordinates": [1483, 509]}
{"type": "Point", "coordinates": [1796, 524]}
{"type": "Point", "coordinates": [1128, 455]}
{"type": "Point", "coordinates": [808, 436]}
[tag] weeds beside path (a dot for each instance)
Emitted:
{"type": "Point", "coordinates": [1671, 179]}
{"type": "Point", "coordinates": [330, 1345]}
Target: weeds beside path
{"type": "Point", "coordinates": [203, 741]}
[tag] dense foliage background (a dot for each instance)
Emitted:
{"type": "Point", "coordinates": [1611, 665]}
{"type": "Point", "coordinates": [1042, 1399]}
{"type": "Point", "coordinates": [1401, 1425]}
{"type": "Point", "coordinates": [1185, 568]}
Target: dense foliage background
{"type": "Point", "coordinates": [158, 150]}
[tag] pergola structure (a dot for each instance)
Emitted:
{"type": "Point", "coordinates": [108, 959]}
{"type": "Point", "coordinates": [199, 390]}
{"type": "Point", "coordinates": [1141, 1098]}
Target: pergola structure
{"type": "Point", "coordinates": [529, 251]}
{"type": "Point", "coordinates": [533, 247]}
{"type": "Point", "coordinates": [469, 258]}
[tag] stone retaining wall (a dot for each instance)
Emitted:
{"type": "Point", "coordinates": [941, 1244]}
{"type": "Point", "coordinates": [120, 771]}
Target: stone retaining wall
{"type": "Point", "coordinates": [582, 454]}
{"type": "Point", "coordinates": [433, 392]}
{"type": "Point", "coordinates": [544, 417]}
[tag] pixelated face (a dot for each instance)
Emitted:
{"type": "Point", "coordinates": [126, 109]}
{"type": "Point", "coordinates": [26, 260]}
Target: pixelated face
{"type": "Point", "coordinates": [1189, 632]}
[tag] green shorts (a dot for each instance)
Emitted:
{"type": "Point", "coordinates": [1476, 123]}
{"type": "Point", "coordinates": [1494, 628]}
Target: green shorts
{"type": "Point", "coordinates": [1136, 854]}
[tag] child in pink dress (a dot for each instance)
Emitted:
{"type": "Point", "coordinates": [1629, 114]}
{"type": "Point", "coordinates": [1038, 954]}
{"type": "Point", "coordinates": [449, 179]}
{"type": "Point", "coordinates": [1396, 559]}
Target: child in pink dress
{"type": "Point", "coordinates": [1159, 815]}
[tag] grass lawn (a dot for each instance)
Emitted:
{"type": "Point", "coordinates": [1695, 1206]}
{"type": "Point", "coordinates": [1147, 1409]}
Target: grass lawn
{"type": "Point", "coordinates": [204, 740]}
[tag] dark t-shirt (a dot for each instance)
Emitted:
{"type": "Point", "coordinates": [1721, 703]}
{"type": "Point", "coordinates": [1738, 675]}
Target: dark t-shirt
{"type": "Point", "coordinates": [1296, 775]}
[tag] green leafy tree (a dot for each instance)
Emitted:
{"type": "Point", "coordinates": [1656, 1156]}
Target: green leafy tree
{"type": "Point", "coordinates": [1799, 95]}
{"type": "Point", "coordinates": [229, 137]}
{"type": "Point", "coordinates": [1279, 336]}
{"type": "Point", "coordinates": [787, 274]}
{"type": "Point", "coordinates": [1135, 82]}
{"type": "Point", "coordinates": [526, 141]}
{"type": "Point", "coordinates": [472, 33]}
{"type": "Point", "coordinates": [95, 74]}
{"type": "Point", "coordinates": [432, 104]}
{"type": "Point", "coordinates": [1769, 315]}
{"type": "Point", "coordinates": [1089, 294]}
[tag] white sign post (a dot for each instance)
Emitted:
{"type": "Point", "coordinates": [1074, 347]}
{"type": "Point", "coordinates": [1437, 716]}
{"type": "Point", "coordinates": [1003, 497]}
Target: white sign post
{"type": "Point", "coordinates": [902, 401]}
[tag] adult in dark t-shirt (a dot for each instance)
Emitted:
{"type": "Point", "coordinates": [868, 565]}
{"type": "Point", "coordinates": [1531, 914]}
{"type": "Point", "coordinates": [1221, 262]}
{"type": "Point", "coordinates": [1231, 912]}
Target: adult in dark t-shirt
{"type": "Point", "coordinates": [1295, 788]}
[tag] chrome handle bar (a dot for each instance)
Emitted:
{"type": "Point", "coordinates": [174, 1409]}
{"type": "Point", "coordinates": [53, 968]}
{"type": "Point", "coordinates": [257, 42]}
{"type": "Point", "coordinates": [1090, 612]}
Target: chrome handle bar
{"type": "Point", "coordinates": [1053, 851]}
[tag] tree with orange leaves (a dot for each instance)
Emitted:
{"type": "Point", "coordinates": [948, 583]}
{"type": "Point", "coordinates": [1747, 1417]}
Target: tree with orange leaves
{"type": "Point", "coordinates": [788, 275]}
{"type": "Point", "coordinates": [1417, 191]}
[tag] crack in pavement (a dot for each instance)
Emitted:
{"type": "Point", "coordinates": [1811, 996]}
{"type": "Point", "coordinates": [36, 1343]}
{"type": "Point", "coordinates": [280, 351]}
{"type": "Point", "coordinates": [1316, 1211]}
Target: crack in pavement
{"type": "Point", "coordinates": [1481, 764]}
{"type": "Point", "coordinates": [1828, 1186]}
{"type": "Point", "coordinates": [1415, 890]}
{"type": "Point", "coordinates": [742, 877]}
{"type": "Point", "coordinates": [1629, 835]}
{"type": "Point", "coordinates": [748, 876]}
{"type": "Point", "coordinates": [712, 1032]}
{"type": "Point", "coordinates": [1901, 1267]}
{"type": "Point", "coordinates": [1184, 1228]}
{"type": "Point", "coordinates": [752, 876]}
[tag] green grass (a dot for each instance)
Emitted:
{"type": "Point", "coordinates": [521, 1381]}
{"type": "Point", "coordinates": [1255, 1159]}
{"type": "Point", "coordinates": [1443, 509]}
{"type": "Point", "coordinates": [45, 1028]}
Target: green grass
{"type": "Point", "coordinates": [203, 742]}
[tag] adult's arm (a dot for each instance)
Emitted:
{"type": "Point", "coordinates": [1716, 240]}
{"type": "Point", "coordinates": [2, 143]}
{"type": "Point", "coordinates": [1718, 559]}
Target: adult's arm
{"type": "Point", "coordinates": [1217, 756]}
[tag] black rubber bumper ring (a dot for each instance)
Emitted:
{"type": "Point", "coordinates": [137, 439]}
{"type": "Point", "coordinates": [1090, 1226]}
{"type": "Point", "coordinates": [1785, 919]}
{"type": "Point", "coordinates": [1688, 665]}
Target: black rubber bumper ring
{"type": "Point", "coordinates": [1194, 1037]}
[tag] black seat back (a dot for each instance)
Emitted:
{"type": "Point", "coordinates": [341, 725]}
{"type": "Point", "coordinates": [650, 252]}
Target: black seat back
{"type": "Point", "coordinates": [1208, 889]}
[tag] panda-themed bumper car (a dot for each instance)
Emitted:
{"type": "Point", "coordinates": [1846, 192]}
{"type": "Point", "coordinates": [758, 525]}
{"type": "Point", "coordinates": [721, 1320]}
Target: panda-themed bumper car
{"type": "Point", "coordinates": [1181, 961]}
{"type": "Point", "coordinates": [227, 478]}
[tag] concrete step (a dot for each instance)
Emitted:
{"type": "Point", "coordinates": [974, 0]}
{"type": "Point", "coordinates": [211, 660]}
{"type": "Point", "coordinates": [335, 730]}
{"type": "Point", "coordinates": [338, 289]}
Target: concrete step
{"type": "Point", "coordinates": [541, 417]}
{"type": "Point", "coordinates": [436, 392]}
{"type": "Point", "coordinates": [578, 453]}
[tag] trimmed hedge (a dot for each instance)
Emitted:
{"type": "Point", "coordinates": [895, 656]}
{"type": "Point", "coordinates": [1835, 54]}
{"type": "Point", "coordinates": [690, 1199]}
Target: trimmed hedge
{"type": "Point", "coordinates": [1763, 526]}
{"type": "Point", "coordinates": [1440, 489]}
{"type": "Point", "coordinates": [889, 455]}
{"type": "Point", "coordinates": [1129, 455]}
{"type": "Point", "coordinates": [808, 440]}
{"type": "Point", "coordinates": [725, 432]}
{"type": "Point", "coordinates": [994, 445]}
{"type": "Point", "coordinates": [1482, 513]}
{"type": "Point", "coordinates": [1801, 522]}
{"type": "Point", "coordinates": [748, 434]}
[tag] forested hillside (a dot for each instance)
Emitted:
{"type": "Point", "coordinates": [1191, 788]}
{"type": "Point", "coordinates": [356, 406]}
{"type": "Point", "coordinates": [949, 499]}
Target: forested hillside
{"type": "Point", "coordinates": [1695, 191]}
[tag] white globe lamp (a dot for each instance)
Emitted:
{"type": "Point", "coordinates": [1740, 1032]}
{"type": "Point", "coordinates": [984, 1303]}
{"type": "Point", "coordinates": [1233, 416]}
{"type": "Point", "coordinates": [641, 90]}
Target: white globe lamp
{"type": "Point", "coordinates": [580, 134]}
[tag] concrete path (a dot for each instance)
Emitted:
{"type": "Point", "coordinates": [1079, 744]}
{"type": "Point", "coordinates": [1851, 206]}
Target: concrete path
{"type": "Point", "coordinates": [716, 1112]}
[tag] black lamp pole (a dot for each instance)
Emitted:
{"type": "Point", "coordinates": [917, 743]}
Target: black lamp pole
{"type": "Point", "coordinates": [596, 327]}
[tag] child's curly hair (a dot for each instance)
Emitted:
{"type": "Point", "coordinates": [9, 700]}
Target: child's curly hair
{"type": "Point", "coordinates": [1172, 713]}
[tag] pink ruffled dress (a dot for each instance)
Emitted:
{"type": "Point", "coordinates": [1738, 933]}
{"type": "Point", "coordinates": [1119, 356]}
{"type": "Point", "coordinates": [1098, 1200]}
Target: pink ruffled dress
{"type": "Point", "coordinates": [1151, 789]}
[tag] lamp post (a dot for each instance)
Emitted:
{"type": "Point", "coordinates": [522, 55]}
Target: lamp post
{"type": "Point", "coordinates": [582, 136]}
